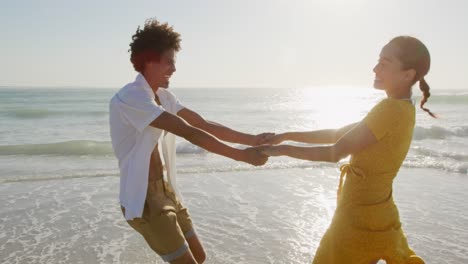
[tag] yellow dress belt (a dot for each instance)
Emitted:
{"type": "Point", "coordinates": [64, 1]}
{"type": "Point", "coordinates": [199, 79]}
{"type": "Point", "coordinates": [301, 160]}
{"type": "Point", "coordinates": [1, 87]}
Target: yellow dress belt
{"type": "Point", "coordinates": [345, 170]}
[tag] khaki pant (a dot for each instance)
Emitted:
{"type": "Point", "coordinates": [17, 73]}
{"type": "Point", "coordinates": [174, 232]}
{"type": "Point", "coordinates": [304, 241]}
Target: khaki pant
{"type": "Point", "coordinates": [165, 223]}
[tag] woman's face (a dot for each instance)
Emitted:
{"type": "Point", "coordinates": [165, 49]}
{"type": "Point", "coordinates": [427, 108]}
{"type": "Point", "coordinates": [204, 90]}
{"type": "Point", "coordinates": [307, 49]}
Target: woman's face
{"type": "Point", "coordinates": [389, 72]}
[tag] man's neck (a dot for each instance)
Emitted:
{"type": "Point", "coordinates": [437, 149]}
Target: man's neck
{"type": "Point", "coordinates": [151, 82]}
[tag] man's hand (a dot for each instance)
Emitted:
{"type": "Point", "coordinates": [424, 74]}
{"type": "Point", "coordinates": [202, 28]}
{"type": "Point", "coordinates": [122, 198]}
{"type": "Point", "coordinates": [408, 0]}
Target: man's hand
{"type": "Point", "coordinates": [254, 156]}
{"type": "Point", "coordinates": [271, 151]}
{"type": "Point", "coordinates": [262, 139]}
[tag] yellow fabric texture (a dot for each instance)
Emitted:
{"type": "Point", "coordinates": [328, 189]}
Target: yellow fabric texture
{"type": "Point", "coordinates": [366, 226]}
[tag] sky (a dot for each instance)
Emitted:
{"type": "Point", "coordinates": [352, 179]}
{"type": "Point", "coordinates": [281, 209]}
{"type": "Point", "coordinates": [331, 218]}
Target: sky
{"type": "Point", "coordinates": [227, 43]}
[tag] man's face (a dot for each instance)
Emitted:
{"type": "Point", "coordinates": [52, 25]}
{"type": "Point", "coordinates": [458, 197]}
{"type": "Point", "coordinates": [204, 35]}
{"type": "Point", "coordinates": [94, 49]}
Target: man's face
{"type": "Point", "coordinates": [161, 71]}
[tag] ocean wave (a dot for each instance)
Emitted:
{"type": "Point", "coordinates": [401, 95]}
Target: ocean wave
{"type": "Point", "coordinates": [437, 164]}
{"type": "Point", "coordinates": [440, 154]}
{"type": "Point", "coordinates": [436, 132]}
{"type": "Point", "coordinates": [188, 148]}
{"type": "Point", "coordinates": [214, 168]}
{"type": "Point", "coordinates": [455, 98]}
{"type": "Point", "coordinates": [67, 148]}
{"type": "Point", "coordinates": [275, 167]}
{"type": "Point", "coordinates": [80, 148]}
{"type": "Point", "coordinates": [46, 113]}
{"type": "Point", "coordinates": [48, 177]}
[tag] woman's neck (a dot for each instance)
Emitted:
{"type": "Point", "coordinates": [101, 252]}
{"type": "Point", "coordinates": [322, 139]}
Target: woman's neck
{"type": "Point", "coordinates": [399, 94]}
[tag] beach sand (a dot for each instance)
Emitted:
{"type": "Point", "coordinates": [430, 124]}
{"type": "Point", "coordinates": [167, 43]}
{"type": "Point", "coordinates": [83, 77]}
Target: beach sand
{"type": "Point", "coordinates": [260, 216]}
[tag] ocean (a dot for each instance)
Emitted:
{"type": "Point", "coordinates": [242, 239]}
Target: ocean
{"type": "Point", "coordinates": [59, 178]}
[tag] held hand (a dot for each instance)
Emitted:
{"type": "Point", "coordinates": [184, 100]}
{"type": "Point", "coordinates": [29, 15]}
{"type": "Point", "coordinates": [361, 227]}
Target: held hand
{"type": "Point", "coordinates": [270, 151]}
{"type": "Point", "coordinates": [263, 138]}
{"type": "Point", "coordinates": [274, 139]}
{"type": "Point", "coordinates": [255, 157]}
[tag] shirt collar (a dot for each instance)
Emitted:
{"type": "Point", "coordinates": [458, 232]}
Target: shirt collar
{"type": "Point", "coordinates": [141, 82]}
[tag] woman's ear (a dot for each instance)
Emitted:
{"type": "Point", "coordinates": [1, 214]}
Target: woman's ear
{"type": "Point", "coordinates": [410, 75]}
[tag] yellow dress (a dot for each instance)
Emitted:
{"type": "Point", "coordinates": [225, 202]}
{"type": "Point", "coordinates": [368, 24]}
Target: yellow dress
{"type": "Point", "coordinates": [366, 226]}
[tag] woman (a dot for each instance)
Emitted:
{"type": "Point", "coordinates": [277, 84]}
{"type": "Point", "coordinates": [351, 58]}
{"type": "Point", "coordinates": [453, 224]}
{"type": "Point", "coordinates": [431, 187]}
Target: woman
{"type": "Point", "coordinates": [366, 225]}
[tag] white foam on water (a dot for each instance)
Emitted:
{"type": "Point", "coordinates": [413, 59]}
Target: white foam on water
{"type": "Point", "coordinates": [260, 216]}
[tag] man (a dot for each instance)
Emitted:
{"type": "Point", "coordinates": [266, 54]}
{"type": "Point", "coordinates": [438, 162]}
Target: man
{"type": "Point", "coordinates": [144, 117]}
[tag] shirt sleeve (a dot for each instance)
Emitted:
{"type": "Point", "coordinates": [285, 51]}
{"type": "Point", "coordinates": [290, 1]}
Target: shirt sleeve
{"type": "Point", "coordinates": [383, 118]}
{"type": "Point", "coordinates": [139, 110]}
{"type": "Point", "coordinates": [177, 105]}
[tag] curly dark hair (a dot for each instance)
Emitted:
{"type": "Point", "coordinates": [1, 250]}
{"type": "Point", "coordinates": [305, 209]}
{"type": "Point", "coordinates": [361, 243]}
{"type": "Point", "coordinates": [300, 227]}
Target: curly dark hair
{"type": "Point", "coordinates": [150, 42]}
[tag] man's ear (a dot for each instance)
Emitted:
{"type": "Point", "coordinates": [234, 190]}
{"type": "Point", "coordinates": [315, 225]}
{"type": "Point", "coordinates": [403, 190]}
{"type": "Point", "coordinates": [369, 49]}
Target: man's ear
{"type": "Point", "coordinates": [149, 65]}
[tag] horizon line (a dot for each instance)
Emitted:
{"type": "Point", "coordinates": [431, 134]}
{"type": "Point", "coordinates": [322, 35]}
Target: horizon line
{"type": "Point", "coordinates": [209, 87]}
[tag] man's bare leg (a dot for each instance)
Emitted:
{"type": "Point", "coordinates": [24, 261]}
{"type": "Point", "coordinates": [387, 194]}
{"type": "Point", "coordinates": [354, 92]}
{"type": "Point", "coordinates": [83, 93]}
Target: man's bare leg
{"type": "Point", "coordinates": [197, 248]}
{"type": "Point", "coordinates": [186, 258]}
{"type": "Point", "coordinates": [196, 254]}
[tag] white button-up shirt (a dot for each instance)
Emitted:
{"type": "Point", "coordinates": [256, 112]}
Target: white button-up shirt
{"type": "Point", "coordinates": [131, 111]}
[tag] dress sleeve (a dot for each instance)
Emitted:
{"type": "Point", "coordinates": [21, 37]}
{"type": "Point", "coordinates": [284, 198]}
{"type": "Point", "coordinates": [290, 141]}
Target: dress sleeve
{"type": "Point", "coordinates": [383, 118]}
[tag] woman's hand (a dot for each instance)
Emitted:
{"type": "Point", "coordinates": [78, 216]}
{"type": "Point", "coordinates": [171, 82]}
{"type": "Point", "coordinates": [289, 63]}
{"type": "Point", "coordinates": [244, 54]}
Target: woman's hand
{"type": "Point", "coordinates": [271, 150]}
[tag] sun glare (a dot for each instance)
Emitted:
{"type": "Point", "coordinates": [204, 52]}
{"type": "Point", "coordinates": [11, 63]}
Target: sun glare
{"type": "Point", "coordinates": [336, 106]}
